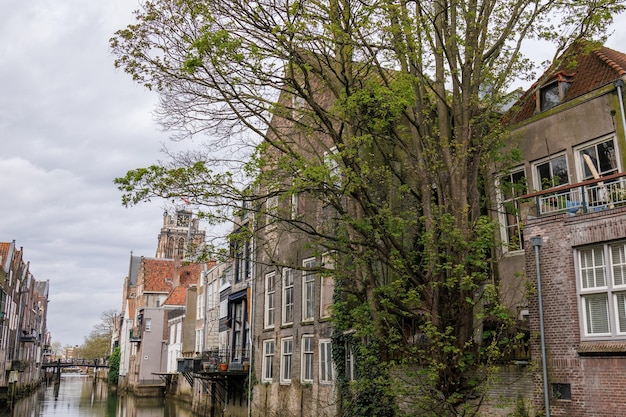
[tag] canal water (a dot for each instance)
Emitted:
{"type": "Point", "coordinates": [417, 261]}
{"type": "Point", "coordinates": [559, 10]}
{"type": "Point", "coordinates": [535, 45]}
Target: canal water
{"type": "Point", "coordinates": [78, 396]}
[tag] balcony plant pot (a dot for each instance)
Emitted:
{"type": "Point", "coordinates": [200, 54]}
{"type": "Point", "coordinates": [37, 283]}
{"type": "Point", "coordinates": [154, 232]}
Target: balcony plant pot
{"type": "Point", "coordinates": [223, 367]}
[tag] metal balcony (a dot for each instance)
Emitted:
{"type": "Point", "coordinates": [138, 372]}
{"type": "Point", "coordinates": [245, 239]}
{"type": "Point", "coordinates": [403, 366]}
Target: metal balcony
{"type": "Point", "coordinates": [584, 197]}
{"type": "Point", "coordinates": [135, 335]}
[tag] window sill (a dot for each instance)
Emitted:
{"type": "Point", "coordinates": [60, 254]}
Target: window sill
{"type": "Point", "coordinates": [602, 348]}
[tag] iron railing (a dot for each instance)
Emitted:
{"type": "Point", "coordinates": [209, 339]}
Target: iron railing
{"type": "Point", "coordinates": [584, 197]}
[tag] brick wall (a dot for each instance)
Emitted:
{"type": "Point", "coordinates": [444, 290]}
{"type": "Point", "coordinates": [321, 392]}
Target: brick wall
{"type": "Point", "coordinates": [597, 379]}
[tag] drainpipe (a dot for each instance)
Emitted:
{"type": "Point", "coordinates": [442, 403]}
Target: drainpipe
{"type": "Point", "coordinates": [251, 306]}
{"type": "Point", "coordinates": [619, 84]}
{"type": "Point", "coordinates": [205, 283]}
{"type": "Point", "coordinates": [536, 241]}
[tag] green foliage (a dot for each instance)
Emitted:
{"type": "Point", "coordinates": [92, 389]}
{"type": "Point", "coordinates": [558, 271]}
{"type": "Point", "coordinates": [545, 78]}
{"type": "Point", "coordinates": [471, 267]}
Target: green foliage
{"type": "Point", "coordinates": [114, 366]}
{"type": "Point", "coordinates": [385, 119]}
{"type": "Point", "coordinates": [96, 346]}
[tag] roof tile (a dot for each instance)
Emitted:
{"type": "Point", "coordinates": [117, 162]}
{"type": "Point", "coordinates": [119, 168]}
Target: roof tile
{"type": "Point", "coordinates": [589, 71]}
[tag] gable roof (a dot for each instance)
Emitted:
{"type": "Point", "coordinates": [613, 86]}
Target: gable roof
{"type": "Point", "coordinates": [158, 275]}
{"type": "Point", "coordinates": [4, 252]}
{"type": "Point", "coordinates": [588, 71]}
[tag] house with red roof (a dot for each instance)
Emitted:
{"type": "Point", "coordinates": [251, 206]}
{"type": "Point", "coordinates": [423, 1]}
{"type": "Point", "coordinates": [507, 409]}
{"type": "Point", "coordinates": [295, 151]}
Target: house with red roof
{"type": "Point", "coordinates": [562, 210]}
{"type": "Point", "coordinates": [155, 291]}
{"type": "Point", "coordinates": [23, 322]}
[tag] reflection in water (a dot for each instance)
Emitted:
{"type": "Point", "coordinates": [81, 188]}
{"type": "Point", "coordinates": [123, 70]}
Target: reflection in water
{"type": "Point", "coordinates": [79, 396]}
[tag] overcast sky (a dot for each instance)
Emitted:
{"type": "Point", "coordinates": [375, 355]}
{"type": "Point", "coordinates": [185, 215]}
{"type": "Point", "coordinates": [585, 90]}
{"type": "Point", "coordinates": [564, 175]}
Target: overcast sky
{"type": "Point", "coordinates": [69, 124]}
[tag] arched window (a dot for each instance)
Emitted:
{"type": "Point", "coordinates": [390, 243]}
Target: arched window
{"type": "Point", "coordinates": [181, 247]}
{"type": "Point", "coordinates": [169, 251]}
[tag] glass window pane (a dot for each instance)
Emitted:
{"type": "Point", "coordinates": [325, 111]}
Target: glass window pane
{"type": "Point", "coordinates": [621, 311]}
{"type": "Point", "coordinates": [591, 152]}
{"type": "Point", "coordinates": [559, 171]}
{"type": "Point", "coordinates": [543, 172]}
{"type": "Point", "coordinates": [619, 264]}
{"type": "Point", "coordinates": [606, 157]}
{"type": "Point", "coordinates": [597, 314]}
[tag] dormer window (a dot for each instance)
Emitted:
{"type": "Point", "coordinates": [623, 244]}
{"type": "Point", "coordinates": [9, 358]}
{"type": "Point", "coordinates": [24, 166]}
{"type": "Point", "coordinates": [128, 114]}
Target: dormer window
{"type": "Point", "coordinates": [552, 94]}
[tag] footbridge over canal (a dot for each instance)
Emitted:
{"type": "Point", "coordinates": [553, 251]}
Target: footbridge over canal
{"type": "Point", "coordinates": [75, 365]}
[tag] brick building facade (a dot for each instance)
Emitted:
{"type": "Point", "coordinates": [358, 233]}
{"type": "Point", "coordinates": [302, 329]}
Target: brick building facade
{"type": "Point", "coordinates": [586, 374]}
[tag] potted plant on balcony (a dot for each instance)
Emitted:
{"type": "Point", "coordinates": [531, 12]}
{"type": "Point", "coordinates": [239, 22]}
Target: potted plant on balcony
{"type": "Point", "coordinates": [223, 366]}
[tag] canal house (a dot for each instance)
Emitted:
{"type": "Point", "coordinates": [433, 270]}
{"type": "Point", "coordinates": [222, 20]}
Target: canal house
{"type": "Point", "coordinates": [563, 214]}
{"type": "Point", "coordinates": [24, 338]}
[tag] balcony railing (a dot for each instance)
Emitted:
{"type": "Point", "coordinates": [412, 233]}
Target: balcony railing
{"type": "Point", "coordinates": [584, 197]}
{"type": "Point", "coordinates": [135, 335]}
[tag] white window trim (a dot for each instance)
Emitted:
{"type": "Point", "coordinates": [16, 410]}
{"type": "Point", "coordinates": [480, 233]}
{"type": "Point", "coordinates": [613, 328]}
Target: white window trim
{"type": "Point", "coordinates": [334, 170]}
{"type": "Point", "coordinates": [287, 271]}
{"type": "Point", "coordinates": [502, 219]}
{"type": "Point", "coordinates": [580, 161]}
{"type": "Point", "coordinates": [266, 355]}
{"type": "Point", "coordinates": [350, 375]}
{"type": "Point", "coordinates": [326, 368]}
{"type": "Point", "coordinates": [294, 205]}
{"type": "Point", "coordinates": [200, 306]}
{"type": "Point", "coordinates": [308, 263]}
{"type": "Point", "coordinates": [610, 289]}
{"type": "Point", "coordinates": [535, 173]}
{"type": "Point", "coordinates": [286, 360]}
{"type": "Point", "coordinates": [302, 358]}
{"type": "Point", "coordinates": [270, 292]}
{"type": "Point", "coordinates": [329, 264]}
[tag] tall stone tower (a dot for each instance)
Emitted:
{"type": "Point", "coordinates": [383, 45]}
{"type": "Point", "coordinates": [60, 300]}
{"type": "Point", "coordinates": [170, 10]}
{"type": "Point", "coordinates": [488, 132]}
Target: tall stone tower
{"type": "Point", "coordinates": [177, 233]}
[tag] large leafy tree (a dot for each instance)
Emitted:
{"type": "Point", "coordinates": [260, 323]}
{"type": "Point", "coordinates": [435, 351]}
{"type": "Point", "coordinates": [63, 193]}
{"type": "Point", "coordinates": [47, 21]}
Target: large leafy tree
{"type": "Point", "coordinates": [98, 344]}
{"type": "Point", "coordinates": [384, 112]}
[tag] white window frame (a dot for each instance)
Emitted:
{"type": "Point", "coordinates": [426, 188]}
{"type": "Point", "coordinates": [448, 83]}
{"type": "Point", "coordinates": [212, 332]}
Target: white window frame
{"type": "Point", "coordinates": [613, 288]}
{"type": "Point", "coordinates": [179, 332]}
{"type": "Point", "coordinates": [286, 359]}
{"type": "Point", "coordinates": [267, 373]}
{"type": "Point", "coordinates": [581, 165]}
{"type": "Point", "coordinates": [148, 325]}
{"type": "Point", "coordinates": [307, 360]}
{"type": "Point", "coordinates": [269, 319]}
{"type": "Point", "coordinates": [223, 309]}
{"type": "Point", "coordinates": [294, 205]}
{"type": "Point", "coordinates": [504, 202]}
{"type": "Point", "coordinates": [172, 338]}
{"type": "Point", "coordinates": [288, 296]}
{"type": "Point", "coordinates": [334, 171]}
{"type": "Point", "coordinates": [271, 212]}
{"type": "Point", "coordinates": [537, 178]}
{"type": "Point", "coordinates": [308, 290]}
{"type": "Point", "coordinates": [327, 282]}
{"type": "Point", "coordinates": [200, 306]}
{"type": "Point", "coordinates": [210, 288]}
{"type": "Point", "coordinates": [350, 373]}
{"type": "Point", "coordinates": [298, 104]}
{"type": "Point", "coordinates": [326, 368]}
{"type": "Point", "coordinates": [199, 337]}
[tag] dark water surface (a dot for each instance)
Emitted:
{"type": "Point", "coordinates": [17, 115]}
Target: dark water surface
{"type": "Point", "coordinates": [78, 396]}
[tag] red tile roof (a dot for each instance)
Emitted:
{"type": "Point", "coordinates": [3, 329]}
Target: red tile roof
{"type": "Point", "coordinates": [4, 251]}
{"type": "Point", "coordinates": [177, 297]}
{"type": "Point", "coordinates": [155, 273]}
{"type": "Point", "coordinates": [589, 71]}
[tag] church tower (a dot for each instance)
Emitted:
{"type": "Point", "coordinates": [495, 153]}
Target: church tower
{"type": "Point", "coordinates": [177, 233]}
